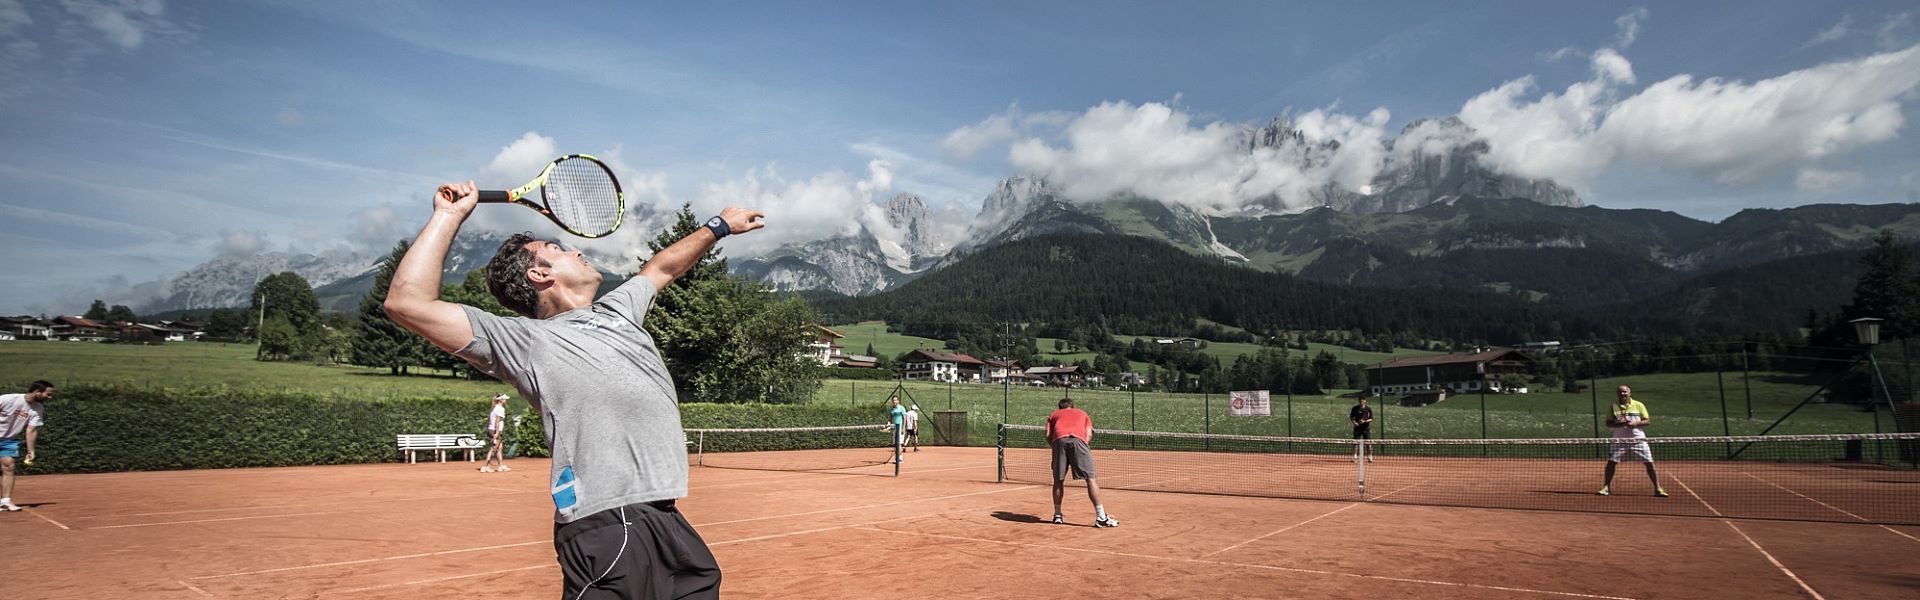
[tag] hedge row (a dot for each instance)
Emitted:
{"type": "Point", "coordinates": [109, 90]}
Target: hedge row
{"type": "Point", "coordinates": [116, 428]}
{"type": "Point", "coordinates": [860, 374]}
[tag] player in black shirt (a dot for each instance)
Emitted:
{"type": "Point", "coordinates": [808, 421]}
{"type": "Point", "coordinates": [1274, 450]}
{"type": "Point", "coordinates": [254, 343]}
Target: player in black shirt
{"type": "Point", "coordinates": [1362, 418]}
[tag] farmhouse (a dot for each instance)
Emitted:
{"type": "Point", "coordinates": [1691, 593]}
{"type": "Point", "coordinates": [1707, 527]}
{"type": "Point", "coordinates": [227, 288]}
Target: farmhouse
{"type": "Point", "coordinates": [936, 365]}
{"type": "Point", "coordinates": [1456, 373]}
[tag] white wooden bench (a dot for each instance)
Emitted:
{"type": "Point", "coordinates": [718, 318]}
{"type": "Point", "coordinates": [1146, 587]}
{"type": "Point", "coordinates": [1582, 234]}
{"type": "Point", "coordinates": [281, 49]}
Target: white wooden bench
{"type": "Point", "coordinates": [439, 443]}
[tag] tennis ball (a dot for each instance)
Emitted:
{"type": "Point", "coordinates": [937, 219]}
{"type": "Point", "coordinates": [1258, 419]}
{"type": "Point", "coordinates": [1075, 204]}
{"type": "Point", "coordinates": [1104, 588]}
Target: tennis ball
{"type": "Point", "coordinates": [28, 461]}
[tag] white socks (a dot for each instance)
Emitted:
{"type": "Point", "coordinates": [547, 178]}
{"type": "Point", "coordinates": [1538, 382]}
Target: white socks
{"type": "Point", "coordinates": [1100, 510]}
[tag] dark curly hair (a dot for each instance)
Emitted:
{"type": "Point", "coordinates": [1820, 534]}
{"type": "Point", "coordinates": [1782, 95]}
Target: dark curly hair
{"type": "Point", "coordinates": [507, 275]}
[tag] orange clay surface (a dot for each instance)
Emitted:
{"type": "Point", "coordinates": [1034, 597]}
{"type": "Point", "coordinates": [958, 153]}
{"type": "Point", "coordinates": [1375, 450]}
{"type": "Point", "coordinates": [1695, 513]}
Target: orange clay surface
{"type": "Point", "coordinates": [943, 529]}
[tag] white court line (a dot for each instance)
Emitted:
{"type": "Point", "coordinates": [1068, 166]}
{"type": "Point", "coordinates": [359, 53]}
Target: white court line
{"type": "Point", "coordinates": [496, 572]}
{"type": "Point", "coordinates": [793, 476]}
{"type": "Point", "coordinates": [304, 505]}
{"type": "Point", "coordinates": [191, 587]}
{"type": "Point", "coordinates": [331, 512]}
{"type": "Point", "coordinates": [1696, 497]}
{"type": "Point", "coordinates": [1251, 566]}
{"type": "Point", "coordinates": [1749, 539]}
{"type": "Point", "coordinates": [863, 507]}
{"type": "Point", "coordinates": [851, 526]}
{"type": "Point", "coordinates": [1408, 487]}
{"type": "Point", "coordinates": [1775, 561]}
{"type": "Point", "coordinates": [768, 480]}
{"type": "Point", "coordinates": [1809, 499]}
{"type": "Point", "coordinates": [1279, 531]}
{"type": "Point", "coordinates": [368, 560]}
{"type": "Point", "coordinates": [36, 512]}
{"type": "Point", "coordinates": [463, 550]}
{"type": "Point", "coordinates": [1835, 508]}
{"type": "Point", "coordinates": [439, 579]}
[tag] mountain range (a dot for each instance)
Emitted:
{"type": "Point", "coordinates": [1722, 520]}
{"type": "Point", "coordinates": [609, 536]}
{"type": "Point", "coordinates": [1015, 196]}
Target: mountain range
{"type": "Point", "coordinates": [1433, 217]}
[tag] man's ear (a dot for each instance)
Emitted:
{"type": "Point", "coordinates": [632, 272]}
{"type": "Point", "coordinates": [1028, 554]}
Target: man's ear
{"type": "Point", "coordinates": [541, 276]}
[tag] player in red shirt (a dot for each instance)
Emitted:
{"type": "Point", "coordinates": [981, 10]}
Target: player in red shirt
{"type": "Point", "coordinates": [1069, 430]}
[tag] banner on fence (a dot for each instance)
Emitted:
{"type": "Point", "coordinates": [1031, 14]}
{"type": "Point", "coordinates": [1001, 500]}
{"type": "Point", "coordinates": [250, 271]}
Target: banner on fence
{"type": "Point", "coordinates": [1249, 404]}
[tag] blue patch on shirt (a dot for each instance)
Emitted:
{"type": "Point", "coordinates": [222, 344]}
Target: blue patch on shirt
{"type": "Point", "coordinates": [563, 490]}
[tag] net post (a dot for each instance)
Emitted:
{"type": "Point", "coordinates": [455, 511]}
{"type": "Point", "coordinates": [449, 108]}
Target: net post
{"type": "Point", "coordinates": [1360, 461]}
{"type": "Point", "coordinates": [1133, 416]}
{"type": "Point", "coordinates": [1725, 428]}
{"type": "Point", "coordinates": [1593, 393]}
{"type": "Point", "coordinates": [700, 450]}
{"type": "Point", "coordinates": [1746, 379]}
{"type": "Point", "coordinates": [1000, 454]}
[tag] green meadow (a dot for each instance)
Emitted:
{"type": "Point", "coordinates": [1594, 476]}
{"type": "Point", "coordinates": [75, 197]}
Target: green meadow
{"type": "Point", "coordinates": [1681, 403]}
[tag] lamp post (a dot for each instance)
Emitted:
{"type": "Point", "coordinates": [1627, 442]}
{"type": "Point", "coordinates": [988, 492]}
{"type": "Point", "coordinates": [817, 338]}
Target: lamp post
{"type": "Point", "coordinates": [1867, 331]}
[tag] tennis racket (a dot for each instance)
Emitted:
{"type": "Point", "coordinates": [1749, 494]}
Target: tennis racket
{"type": "Point", "coordinates": [577, 192]}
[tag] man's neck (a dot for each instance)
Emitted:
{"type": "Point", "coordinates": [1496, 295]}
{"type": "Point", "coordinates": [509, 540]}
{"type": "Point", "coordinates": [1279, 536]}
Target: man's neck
{"type": "Point", "coordinates": [559, 301]}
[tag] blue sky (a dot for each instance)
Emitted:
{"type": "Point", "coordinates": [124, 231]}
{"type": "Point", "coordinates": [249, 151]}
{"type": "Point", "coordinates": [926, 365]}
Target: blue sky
{"type": "Point", "coordinates": [143, 137]}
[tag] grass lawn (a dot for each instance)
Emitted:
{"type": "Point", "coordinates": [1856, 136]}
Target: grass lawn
{"type": "Point", "coordinates": [1682, 405]}
{"type": "Point", "coordinates": [212, 364]}
{"type": "Point", "coordinates": [1228, 351]}
{"type": "Point", "coordinates": [887, 343]}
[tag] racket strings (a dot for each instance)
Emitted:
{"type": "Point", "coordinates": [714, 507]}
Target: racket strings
{"type": "Point", "coordinates": [583, 197]}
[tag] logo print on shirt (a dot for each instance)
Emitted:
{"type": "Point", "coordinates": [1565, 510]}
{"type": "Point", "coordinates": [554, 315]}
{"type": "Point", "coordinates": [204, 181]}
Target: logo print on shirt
{"type": "Point", "coordinates": [565, 490]}
{"type": "Point", "coordinates": [597, 322]}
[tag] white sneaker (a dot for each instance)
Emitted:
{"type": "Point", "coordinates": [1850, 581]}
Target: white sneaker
{"type": "Point", "coordinates": [9, 506]}
{"type": "Point", "coordinates": [1106, 521]}
{"type": "Point", "coordinates": [504, 468]}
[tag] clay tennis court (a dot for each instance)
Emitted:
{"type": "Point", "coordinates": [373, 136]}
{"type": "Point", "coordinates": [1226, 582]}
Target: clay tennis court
{"type": "Point", "coordinates": [944, 528]}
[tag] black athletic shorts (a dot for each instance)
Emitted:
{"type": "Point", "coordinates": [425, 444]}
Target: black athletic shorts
{"type": "Point", "coordinates": [913, 432]}
{"type": "Point", "coordinates": [658, 555]}
{"type": "Point", "coordinates": [1363, 432]}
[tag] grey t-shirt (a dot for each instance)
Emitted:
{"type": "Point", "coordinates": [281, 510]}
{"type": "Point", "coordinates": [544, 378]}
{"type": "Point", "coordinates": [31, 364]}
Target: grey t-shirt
{"type": "Point", "coordinates": [611, 415]}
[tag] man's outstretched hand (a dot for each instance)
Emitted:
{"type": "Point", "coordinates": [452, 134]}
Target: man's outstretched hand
{"type": "Point", "coordinates": [742, 220]}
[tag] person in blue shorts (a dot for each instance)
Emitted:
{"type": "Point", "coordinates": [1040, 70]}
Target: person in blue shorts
{"type": "Point", "coordinates": [19, 422]}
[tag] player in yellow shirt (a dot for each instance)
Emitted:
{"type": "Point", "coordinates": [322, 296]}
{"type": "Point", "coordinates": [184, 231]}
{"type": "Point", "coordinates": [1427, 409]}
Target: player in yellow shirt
{"type": "Point", "coordinates": [1629, 418]}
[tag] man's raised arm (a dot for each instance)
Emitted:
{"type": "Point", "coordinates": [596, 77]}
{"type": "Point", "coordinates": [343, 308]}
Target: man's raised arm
{"type": "Point", "coordinates": [413, 297]}
{"type": "Point", "coordinates": [674, 261]}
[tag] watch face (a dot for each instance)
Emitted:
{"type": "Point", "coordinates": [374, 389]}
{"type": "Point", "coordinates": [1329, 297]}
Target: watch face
{"type": "Point", "coordinates": [714, 222]}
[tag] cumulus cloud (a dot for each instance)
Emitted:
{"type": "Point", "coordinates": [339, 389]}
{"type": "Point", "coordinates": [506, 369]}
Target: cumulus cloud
{"type": "Point", "coordinates": [1730, 131]}
{"type": "Point", "coordinates": [966, 141]}
{"type": "Point", "coordinates": [1821, 181]}
{"type": "Point", "coordinates": [1157, 151]}
{"type": "Point", "coordinates": [800, 210]}
{"type": "Point", "coordinates": [963, 143]}
{"type": "Point", "coordinates": [241, 244]}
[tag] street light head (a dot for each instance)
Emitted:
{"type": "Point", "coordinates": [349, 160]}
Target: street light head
{"type": "Point", "coordinates": [1867, 330]}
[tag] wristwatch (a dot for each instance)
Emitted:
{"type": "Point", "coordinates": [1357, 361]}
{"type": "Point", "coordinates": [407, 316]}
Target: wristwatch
{"type": "Point", "coordinates": [719, 227]}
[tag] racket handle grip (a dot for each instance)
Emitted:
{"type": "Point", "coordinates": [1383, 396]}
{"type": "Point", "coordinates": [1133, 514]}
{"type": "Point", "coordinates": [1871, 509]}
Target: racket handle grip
{"type": "Point", "coordinates": [494, 196]}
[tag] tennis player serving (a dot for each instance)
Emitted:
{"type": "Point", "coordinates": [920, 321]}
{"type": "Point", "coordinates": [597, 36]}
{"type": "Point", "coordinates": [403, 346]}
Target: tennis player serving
{"type": "Point", "coordinates": [591, 369]}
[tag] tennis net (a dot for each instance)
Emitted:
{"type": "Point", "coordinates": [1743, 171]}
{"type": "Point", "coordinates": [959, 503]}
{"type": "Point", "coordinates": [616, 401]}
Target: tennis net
{"type": "Point", "coordinates": [792, 448]}
{"type": "Point", "coordinates": [1864, 478]}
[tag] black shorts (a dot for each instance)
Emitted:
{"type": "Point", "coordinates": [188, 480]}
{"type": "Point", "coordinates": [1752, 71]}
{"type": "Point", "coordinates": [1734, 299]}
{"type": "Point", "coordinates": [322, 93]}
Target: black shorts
{"type": "Point", "coordinates": [1363, 432]}
{"type": "Point", "coordinates": [658, 555]}
{"type": "Point", "coordinates": [913, 432]}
